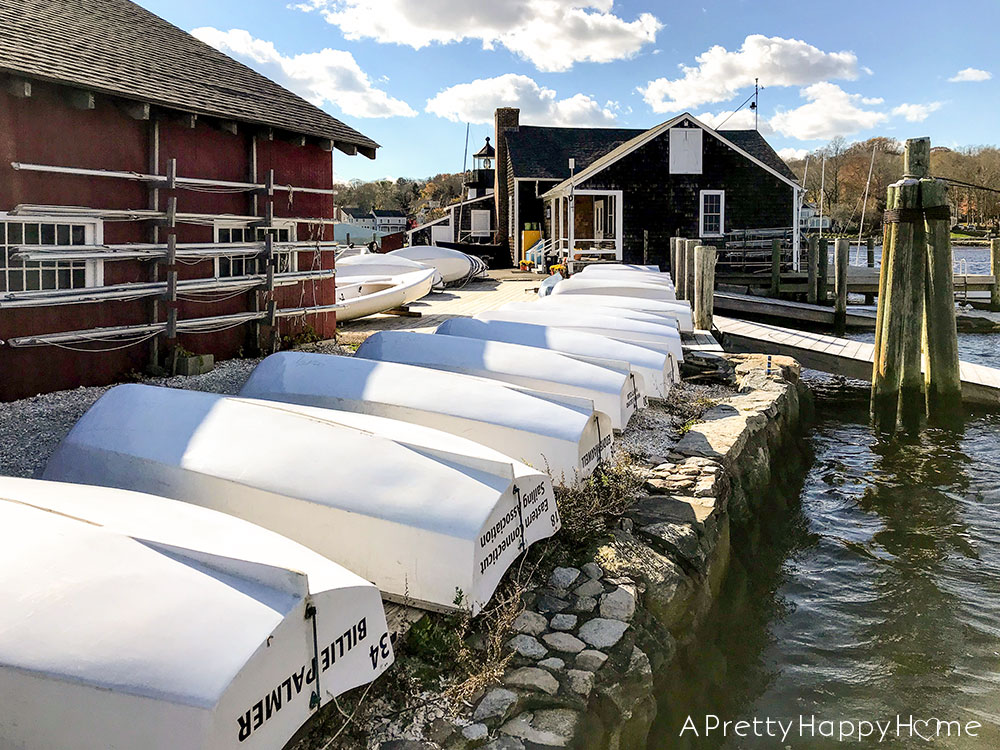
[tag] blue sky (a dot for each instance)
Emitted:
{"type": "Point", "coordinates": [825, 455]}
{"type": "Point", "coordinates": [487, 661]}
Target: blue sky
{"type": "Point", "coordinates": [411, 74]}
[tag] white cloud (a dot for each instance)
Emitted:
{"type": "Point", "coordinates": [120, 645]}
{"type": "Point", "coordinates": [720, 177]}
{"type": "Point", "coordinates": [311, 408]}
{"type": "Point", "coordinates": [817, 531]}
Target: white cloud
{"type": "Point", "coordinates": [552, 34]}
{"type": "Point", "coordinates": [916, 112]}
{"type": "Point", "coordinates": [970, 75]}
{"type": "Point", "coordinates": [742, 120]}
{"type": "Point", "coordinates": [872, 100]}
{"type": "Point", "coordinates": [829, 112]}
{"type": "Point", "coordinates": [792, 154]}
{"type": "Point", "coordinates": [328, 76]}
{"type": "Point", "coordinates": [476, 101]}
{"type": "Point", "coordinates": [720, 74]}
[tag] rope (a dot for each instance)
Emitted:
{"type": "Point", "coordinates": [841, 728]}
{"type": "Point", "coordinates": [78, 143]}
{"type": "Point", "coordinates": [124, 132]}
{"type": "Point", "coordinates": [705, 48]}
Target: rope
{"type": "Point", "coordinates": [961, 183]}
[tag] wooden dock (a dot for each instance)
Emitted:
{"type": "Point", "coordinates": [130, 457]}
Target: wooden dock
{"type": "Point", "coordinates": [802, 312]}
{"type": "Point", "coordinates": [852, 359]}
{"type": "Point", "coordinates": [860, 280]}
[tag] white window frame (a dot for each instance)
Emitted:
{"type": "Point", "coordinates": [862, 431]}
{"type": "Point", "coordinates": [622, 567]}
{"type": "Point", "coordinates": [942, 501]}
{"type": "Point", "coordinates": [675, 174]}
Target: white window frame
{"type": "Point", "coordinates": [472, 223]}
{"type": "Point", "coordinates": [677, 156]}
{"type": "Point", "coordinates": [290, 225]}
{"type": "Point", "coordinates": [701, 212]}
{"type": "Point", "coordinates": [93, 270]}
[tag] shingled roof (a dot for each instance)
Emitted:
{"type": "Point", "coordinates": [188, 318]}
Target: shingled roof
{"type": "Point", "coordinates": [116, 47]}
{"type": "Point", "coordinates": [542, 153]}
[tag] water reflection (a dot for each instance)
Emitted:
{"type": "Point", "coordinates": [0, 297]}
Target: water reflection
{"type": "Point", "coordinates": [876, 593]}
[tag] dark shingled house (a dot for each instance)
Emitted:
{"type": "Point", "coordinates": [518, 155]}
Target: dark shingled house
{"type": "Point", "coordinates": [106, 112]}
{"type": "Point", "coordinates": [598, 190]}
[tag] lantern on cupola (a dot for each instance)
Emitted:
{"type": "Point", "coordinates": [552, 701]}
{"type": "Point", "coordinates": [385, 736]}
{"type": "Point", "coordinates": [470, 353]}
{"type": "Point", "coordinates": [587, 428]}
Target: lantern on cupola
{"type": "Point", "coordinates": [484, 158]}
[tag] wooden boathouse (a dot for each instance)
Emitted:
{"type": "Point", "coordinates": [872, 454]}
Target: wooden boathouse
{"type": "Point", "coordinates": [620, 194]}
{"type": "Point", "coordinates": [156, 197]}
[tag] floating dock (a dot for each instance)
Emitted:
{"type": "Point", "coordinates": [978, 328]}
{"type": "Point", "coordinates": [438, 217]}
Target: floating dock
{"type": "Point", "coordinates": [852, 359]}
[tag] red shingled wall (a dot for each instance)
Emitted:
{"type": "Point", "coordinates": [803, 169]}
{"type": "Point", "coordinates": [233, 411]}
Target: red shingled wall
{"type": "Point", "coordinates": [45, 129]}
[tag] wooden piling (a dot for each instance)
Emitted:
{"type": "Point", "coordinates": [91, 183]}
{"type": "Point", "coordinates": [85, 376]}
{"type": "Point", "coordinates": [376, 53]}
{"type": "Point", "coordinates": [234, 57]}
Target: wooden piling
{"type": "Point", "coordinates": [645, 247]}
{"type": "Point", "coordinates": [822, 272]}
{"type": "Point", "coordinates": [870, 298]}
{"type": "Point", "coordinates": [842, 253]}
{"type": "Point", "coordinates": [689, 246]}
{"type": "Point", "coordinates": [673, 259]}
{"type": "Point", "coordinates": [812, 267]}
{"type": "Point", "coordinates": [995, 270]}
{"type": "Point", "coordinates": [680, 277]}
{"type": "Point", "coordinates": [942, 380]}
{"type": "Point", "coordinates": [704, 286]}
{"type": "Point", "coordinates": [775, 267]}
{"type": "Point", "coordinates": [885, 376]}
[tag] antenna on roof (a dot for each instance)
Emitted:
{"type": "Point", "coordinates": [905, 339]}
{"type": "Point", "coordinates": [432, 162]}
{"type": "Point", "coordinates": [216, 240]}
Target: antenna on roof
{"type": "Point", "coordinates": [756, 101]}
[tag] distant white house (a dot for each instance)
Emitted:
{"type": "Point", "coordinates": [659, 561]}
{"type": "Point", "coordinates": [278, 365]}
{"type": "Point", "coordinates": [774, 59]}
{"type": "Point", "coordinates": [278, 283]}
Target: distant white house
{"type": "Point", "coordinates": [359, 217]}
{"type": "Point", "coordinates": [389, 220]}
{"type": "Point", "coordinates": [810, 220]}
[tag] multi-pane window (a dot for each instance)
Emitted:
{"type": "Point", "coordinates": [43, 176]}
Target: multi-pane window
{"type": "Point", "coordinates": [33, 275]}
{"type": "Point", "coordinates": [249, 265]}
{"type": "Point", "coordinates": [713, 206]}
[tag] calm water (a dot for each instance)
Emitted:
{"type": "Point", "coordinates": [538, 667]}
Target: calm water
{"type": "Point", "coordinates": [870, 589]}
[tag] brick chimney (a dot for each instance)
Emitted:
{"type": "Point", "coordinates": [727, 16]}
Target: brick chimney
{"type": "Point", "coordinates": [506, 118]}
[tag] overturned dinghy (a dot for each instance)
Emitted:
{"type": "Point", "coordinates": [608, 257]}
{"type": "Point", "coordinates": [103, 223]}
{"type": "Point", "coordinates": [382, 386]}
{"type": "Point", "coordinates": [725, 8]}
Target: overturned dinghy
{"type": "Point", "coordinates": [655, 368]}
{"type": "Point", "coordinates": [616, 274]}
{"type": "Point", "coordinates": [456, 268]}
{"type": "Point", "coordinates": [660, 336]}
{"type": "Point", "coordinates": [566, 440]}
{"type": "Point", "coordinates": [677, 311]}
{"type": "Point", "coordinates": [134, 621]}
{"type": "Point", "coordinates": [434, 528]}
{"type": "Point", "coordinates": [583, 284]}
{"type": "Point", "coordinates": [612, 391]}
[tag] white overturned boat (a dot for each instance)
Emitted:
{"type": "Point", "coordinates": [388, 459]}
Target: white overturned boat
{"type": "Point", "coordinates": [623, 267]}
{"type": "Point", "coordinates": [609, 304]}
{"type": "Point", "coordinates": [597, 309]}
{"type": "Point", "coordinates": [656, 370]}
{"type": "Point", "coordinates": [609, 388]}
{"type": "Point", "coordinates": [367, 285]}
{"type": "Point", "coordinates": [583, 284]}
{"type": "Point", "coordinates": [566, 440]}
{"type": "Point", "coordinates": [625, 274]}
{"type": "Point", "coordinates": [434, 528]}
{"type": "Point", "coordinates": [455, 267]}
{"type": "Point", "coordinates": [660, 336]}
{"type": "Point", "coordinates": [134, 621]}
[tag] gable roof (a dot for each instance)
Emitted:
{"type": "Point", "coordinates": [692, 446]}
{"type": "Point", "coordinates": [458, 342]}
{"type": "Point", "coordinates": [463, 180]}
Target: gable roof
{"type": "Point", "coordinates": [116, 47]}
{"type": "Point", "coordinates": [543, 153]}
{"type": "Point", "coordinates": [389, 213]}
{"type": "Point", "coordinates": [752, 139]}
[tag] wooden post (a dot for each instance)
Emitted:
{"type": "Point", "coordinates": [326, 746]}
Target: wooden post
{"type": "Point", "coordinates": [704, 286]}
{"type": "Point", "coordinates": [673, 259]}
{"type": "Point", "coordinates": [680, 276]}
{"type": "Point", "coordinates": [995, 270]}
{"type": "Point", "coordinates": [645, 247]}
{"type": "Point", "coordinates": [912, 402]}
{"type": "Point", "coordinates": [822, 272]}
{"type": "Point", "coordinates": [885, 383]}
{"type": "Point", "coordinates": [842, 253]}
{"type": "Point", "coordinates": [942, 379]}
{"type": "Point", "coordinates": [812, 263]}
{"type": "Point", "coordinates": [869, 297]}
{"type": "Point", "coordinates": [689, 246]}
{"type": "Point", "coordinates": [775, 267]}
{"type": "Point", "coordinates": [171, 266]}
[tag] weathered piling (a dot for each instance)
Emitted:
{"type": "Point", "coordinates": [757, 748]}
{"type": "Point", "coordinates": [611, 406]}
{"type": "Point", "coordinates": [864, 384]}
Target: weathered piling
{"type": "Point", "coordinates": [842, 253]}
{"type": "Point", "coordinates": [942, 380]}
{"type": "Point", "coordinates": [673, 259]}
{"type": "Point", "coordinates": [680, 278]}
{"type": "Point", "coordinates": [812, 269]}
{"type": "Point", "coordinates": [995, 270]}
{"type": "Point", "coordinates": [775, 267]}
{"type": "Point", "coordinates": [689, 246]}
{"type": "Point", "coordinates": [916, 311]}
{"type": "Point", "coordinates": [704, 286]}
{"type": "Point", "coordinates": [823, 272]}
{"type": "Point", "coordinates": [645, 247]}
{"type": "Point", "coordinates": [869, 297]}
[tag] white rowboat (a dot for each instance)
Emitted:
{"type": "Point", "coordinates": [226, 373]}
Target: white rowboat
{"type": "Point", "coordinates": [655, 368]}
{"type": "Point", "coordinates": [610, 390]}
{"type": "Point", "coordinates": [609, 304]}
{"type": "Point", "coordinates": [454, 266]}
{"type": "Point", "coordinates": [434, 528]}
{"type": "Point", "coordinates": [581, 284]}
{"type": "Point", "coordinates": [134, 621]}
{"type": "Point", "coordinates": [359, 296]}
{"type": "Point", "coordinates": [565, 440]}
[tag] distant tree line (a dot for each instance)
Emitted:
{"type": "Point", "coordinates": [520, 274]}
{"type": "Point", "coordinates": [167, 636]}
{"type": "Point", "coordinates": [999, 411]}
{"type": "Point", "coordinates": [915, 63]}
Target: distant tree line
{"type": "Point", "coordinates": [839, 172]}
{"type": "Point", "coordinates": [419, 199]}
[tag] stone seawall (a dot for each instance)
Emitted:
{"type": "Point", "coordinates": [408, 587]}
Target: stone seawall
{"type": "Point", "coordinates": [589, 643]}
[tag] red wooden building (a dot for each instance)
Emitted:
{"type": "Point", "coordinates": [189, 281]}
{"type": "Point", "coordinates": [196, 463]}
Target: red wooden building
{"type": "Point", "coordinates": [156, 197]}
